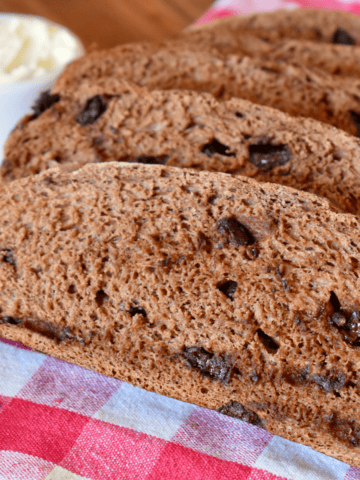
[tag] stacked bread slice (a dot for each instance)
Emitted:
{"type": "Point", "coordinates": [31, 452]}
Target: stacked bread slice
{"type": "Point", "coordinates": [134, 243]}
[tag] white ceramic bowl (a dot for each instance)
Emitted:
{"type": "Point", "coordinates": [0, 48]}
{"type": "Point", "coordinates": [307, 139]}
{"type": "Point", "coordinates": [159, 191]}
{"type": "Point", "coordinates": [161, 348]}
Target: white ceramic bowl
{"type": "Point", "coordinates": [16, 98]}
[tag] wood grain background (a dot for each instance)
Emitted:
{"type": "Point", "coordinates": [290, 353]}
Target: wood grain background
{"type": "Point", "coordinates": [111, 22]}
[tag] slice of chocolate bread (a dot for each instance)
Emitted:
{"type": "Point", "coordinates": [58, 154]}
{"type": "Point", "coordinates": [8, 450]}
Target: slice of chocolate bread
{"type": "Point", "coordinates": [294, 89]}
{"type": "Point", "coordinates": [325, 26]}
{"type": "Point", "coordinates": [110, 120]}
{"type": "Point", "coordinates": [220, 291]}
{"type": "Point", "coordinates": [336, 59]}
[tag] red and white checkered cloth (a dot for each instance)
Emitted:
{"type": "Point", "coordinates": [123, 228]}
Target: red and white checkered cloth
{"type": "Point", "coordinates": [59, 421]}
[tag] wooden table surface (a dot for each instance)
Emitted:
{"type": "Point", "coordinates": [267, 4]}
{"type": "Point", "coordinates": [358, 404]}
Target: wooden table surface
{"type": "Point", "coordinates": [111, 22]}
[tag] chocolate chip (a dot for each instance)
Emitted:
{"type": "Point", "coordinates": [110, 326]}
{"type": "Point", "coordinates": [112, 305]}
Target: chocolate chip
{"type": "Point", "coordinates": [216, 147]}
{"type": "Point", "coordinates": [47, 329]}
{"type": "Point", "coordinates": [348, 325]}
{"type": "Point", "coordinates": [137, 311]}
{"type": "Point", "coordinates": [234, 232]}
{"type": "Point", "coordinates": [212, 199]}
{"type": "Point", "coordinates": [160, 160]}
{"type": "Point", "coordinates": [217, 367]}
{"type": "Point", "coordinates": [352, 327]}
{"type": "Point", "coordinates": [93, 109]}
{"type": "Point", "coordinates": [268, 342]}
{"type": "Point", "coordinates": [355, 117]}
{"type": "Point", "coordinates": [228, 288]}
{"type": "Point", "coordinates": [8, 256]}
{"type": "Point", "coordinates": [334, 382]}
{"type": "Point", "coordinates": [342, 37]}
{"type": "Point", "coordinates": [346, 431]}
{"type": "Point", "coordinates": [101, 298]}
{"type": "Point", "coordinates": [237, 410]}
{"type": "Point", "coordinates": [265, 155]}
{"type": "Point", "coordinates": [335, 302]}
{"type": "Point", "coordinates": [45, 101]}
{"type": "Point", "coordinates": [11, 320]}
{"type": "Point", "coordinates": [295, 377]}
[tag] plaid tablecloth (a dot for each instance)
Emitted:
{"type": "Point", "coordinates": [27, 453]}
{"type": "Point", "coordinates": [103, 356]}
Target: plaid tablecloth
{"type": "Point", "coordinates": [59, 421]}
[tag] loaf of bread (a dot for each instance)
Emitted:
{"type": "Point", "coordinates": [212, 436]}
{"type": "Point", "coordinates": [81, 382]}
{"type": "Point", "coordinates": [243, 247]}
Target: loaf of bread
{"type": "Point", "coordinates": [111, 120]}
{"type": "Point", "coordinates": [294, 89]}
{"type": "Point", "coordinates": [219, 291]}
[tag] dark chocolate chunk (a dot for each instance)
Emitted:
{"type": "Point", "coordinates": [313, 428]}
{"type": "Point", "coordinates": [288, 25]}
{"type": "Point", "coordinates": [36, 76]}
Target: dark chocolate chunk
{"type": "Point", "coordinates": [160, 160]}
{"type": "Point", "coordinates": [335, 302]}
{"type": "Point", "coordinates": [237, 410]}
{"type": "Point", "coordinates": [45, 101]}
{"type": "Point", "coordinates": [268, 342]}
{"type": "Point", "coordinates": [342, 37]}
{"type": "Point", "coordinates": [93, 109]}
{"type": "Point", "coordinates": [101, 298]}
{"type": "Point", "coordinates": [8, 256]}
{"type": "Point", "coordinates": [212, 199]}
{"type": "Point", "coordinates": [331, 383]}
{"type": "Point", "coordinates": [235, 233]}
{"type": "Point", "coordinates": [11, 320]}
{"type": "Point", "coordinates": [355, 117]}
{"type": "Point", "coordinates": [217, 367]}
{"type": "Point", "coordinates": [348, 325]}
{"type": "Point", "coordinates": [352, 327]}
{"type": "Point", "coordinates": [54, 332]}
{"type": "Point", "coordinates": [228, 288]}
{"type": "Point", "coordinates": [137, 311]}
{"type": "Point", "coordinates": [295, 377]}
{"type": "Point", "coordinates": [216, 147]}
{"type": "Point", "coordinates": [265, 155]}
{"type": "Point", "coordinates": [346, 431]}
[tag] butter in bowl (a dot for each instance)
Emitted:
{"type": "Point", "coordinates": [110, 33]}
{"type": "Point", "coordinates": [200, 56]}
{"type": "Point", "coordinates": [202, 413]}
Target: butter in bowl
{"type": "Point", "coordinates": [33, 52]}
